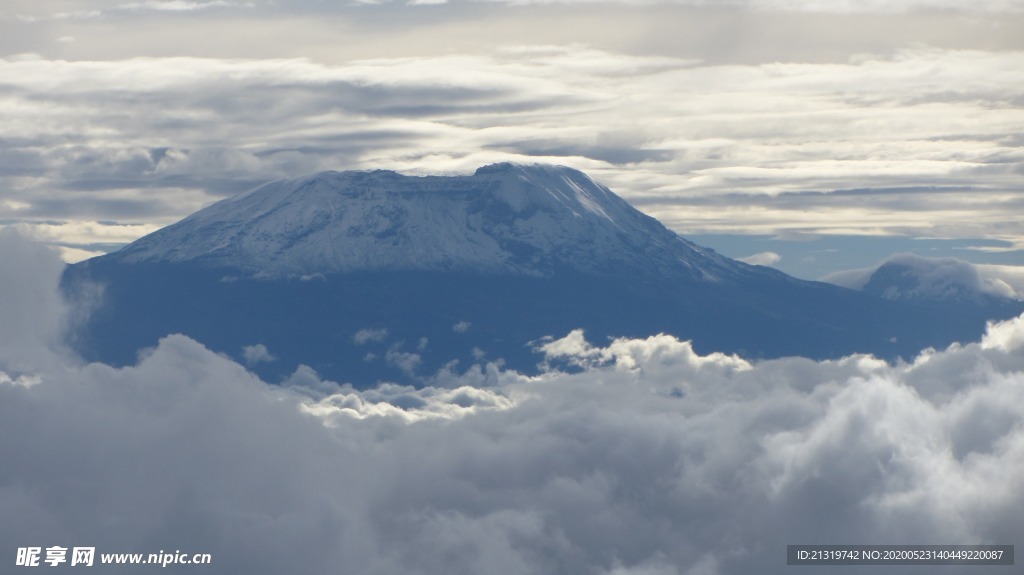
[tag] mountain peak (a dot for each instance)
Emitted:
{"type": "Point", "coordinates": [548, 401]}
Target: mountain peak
{"type": "Point", "coordinates": [516, 252]}
{"type": "Point", "coordinates": [520, 167]}
{"type": "Point", "coordinates": [910, 277]}
{"type": "Point", "coordinates": [498, 168]}
{"type": "Point", "coordinates": [505, 218]}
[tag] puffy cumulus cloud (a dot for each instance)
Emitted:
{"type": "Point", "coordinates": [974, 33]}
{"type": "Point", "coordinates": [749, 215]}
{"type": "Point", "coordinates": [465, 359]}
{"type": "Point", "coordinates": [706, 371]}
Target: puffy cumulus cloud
{"type": "Point", "coordinates": [146, 469]}
{"type": "Point", "coordinates": [405, 403]}
{"type": "Point", "coordinates": [257, 353]}
{"type": "Point", "coordinates": [656, 352]}
{"type": "Point", "coordinates": [1006, 336]}
{"type": "Point", "coordinates": [369, 334]}
{"type": "Point", "coordinates": [920, 141]}
{"type": "Point", "coordinates": [640, 457]}
{"type": "Point", "coordinates": [597, 471]}
{"type": "Point", "coordinates": [406, 361]}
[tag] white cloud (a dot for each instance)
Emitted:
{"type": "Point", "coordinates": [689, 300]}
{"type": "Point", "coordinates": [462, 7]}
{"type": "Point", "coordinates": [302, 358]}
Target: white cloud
{"type": "Point", "coordinates": [920, 141]}
{"type": "Point", "coordinates": [853, 279]}
{"type": "Point", "coordinates": [405, 403]}
{"type": "Point", "coordinates": [32, 314]}
{"type": "Point", "coordinates": [762, 259]}
{"type": "Point", "coordinates": [32, 11]}
{"type": "Point", "coordinates": [938, 278]}
{"type": "Point", "coordinates": [1006, 336]}
{"type": "Point", "coordinates": [841, 6]}
{"type": "Point", "coordinates": [1004, 279]}
{"type": "Point", "coordinates": [367, 335]}
{"type": "Point", "coordinates": [181, 5]}
{"type": "Point", "coordinates": [647, 458]}
{"type": "Point", "coordinates": [258, 353]}
{"type": "Point", "coordinates": [74, 255]}
{"type": "Point", "coordinates": [880, 6]}
{"type": "Point", "coordinates": [406, 361]}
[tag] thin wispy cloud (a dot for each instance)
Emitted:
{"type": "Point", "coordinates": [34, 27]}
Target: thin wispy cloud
{"type": "Point", "coordinates": [181, 5]}
{"type": "Point", "coordinates": [102, 7]}
{"type": "Point", "coordinates": [930, 133]}
{"type": "Point", "coordinates": [762, 258]}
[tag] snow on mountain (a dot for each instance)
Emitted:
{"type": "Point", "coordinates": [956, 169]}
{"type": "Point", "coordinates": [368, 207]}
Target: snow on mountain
{"type": "Point", "coordinates": [909, 277]}
{"type": "Point", "coordinates": [415, 273]}
{"type": "Point", "coordinates": [505, 218]}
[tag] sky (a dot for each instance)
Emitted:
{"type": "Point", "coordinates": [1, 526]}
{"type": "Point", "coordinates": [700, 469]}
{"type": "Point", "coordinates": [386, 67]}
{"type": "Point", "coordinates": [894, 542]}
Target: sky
{"type": "Point", "coordinates": [813, 136]}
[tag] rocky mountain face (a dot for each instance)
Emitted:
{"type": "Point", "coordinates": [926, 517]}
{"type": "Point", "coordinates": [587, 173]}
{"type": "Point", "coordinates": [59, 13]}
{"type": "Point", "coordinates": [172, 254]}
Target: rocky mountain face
{"type": "Point", "coordinates": [369, 276]}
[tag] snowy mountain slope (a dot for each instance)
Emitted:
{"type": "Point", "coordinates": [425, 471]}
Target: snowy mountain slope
{"type": "Point", "coordinates": [308, 267]}
{"type": "Point", "coordinates": [504, 219]}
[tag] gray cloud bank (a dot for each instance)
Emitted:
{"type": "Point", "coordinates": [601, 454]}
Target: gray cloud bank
{"type": "Point", "coordinates": [86, 9]}
{"type": "Point", "coordinates": [647, 458]}
{"type": "Point", "coordinates": [916, 140]}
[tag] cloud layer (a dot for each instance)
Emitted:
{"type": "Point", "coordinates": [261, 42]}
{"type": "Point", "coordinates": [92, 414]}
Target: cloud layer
{"type": "Point", "coordinates": [917, 140]}
{"type": "Point", "coordinates": [640, 457]}
{"type": "Point", "coordinates": [98, 8]}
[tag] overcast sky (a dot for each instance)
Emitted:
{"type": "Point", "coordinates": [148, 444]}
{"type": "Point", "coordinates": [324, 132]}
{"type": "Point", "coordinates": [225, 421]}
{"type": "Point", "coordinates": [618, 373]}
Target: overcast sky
{"type": "Point", "coordinates": [777, 122]}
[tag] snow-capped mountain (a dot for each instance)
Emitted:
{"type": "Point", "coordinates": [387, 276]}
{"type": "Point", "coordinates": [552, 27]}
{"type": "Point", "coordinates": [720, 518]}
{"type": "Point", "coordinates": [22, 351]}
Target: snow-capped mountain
{"type": "Point", "coordinates": [365, 276]}
{"type": "Point", "coordinates": [504, 219]}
